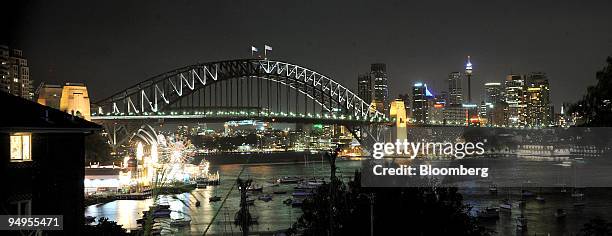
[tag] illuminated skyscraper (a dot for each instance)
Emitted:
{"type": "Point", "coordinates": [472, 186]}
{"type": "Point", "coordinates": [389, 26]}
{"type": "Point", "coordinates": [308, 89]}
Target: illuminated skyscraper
{"type": "Point", "coordinates": [455, 92]}
{"type": "Point", "coordinates": [515, 98]}
{"type": "Point", "coordinates": [493, 93]}
{"type": "Point", "coordinates": [15, 73]}
{"type": "Point", "coordinates": [537, 98]}
{"type": "Point", "coordinates": [420, 103]}
{"type": "Point", "coordinates": [364, 87]}
{"type": "Point", "coordinates": [378, 73]}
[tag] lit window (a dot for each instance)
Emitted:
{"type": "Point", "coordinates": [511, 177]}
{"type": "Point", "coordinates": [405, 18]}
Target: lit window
{"type": "Point", "coordinates": [21, 147]}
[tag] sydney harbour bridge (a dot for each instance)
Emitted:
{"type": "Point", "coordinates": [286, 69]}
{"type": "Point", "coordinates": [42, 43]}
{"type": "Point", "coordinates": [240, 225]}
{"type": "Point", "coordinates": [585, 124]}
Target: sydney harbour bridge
{"type": "Point", "coordinates": [240, 89]}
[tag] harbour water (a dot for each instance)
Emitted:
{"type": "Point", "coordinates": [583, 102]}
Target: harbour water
{"type": "Point", "coordinates": [275, 215]}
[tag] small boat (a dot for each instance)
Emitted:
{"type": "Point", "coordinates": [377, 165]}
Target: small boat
{"type": "Point", "coordinates": [201, 182]}
{"type": "Point", "coordinates": [579, 204]}
{"type": "Point", "coordinates": [488, 213]}
{"type": "Point", "coordinates": [493, 189]}
{"type": "Point", "coordinates": [563, 190]}
{"type": "Point", "coordinates": [540, 199]}
{"type": "Point", "coordinates": [180, 222]}
{"type": "Point", "coordinates": [214, 199]}
{"type": "Point", "coordinates": [288, 201]}
{"type": "Point", "coordinates": [289, 180]}
{"type": "Point", "coordinates": [505, 205]}
{"type": "Point", "coordinates": [255, 188]}
{"type": "Point", "coordinates": [526, 193]}
{"type": "Point", "coordinates": [577, 194]}
{"type": "Point", "coordinates": [197, 204]}
{"type": "Point", "coordinates": [560, 213]}
{"type": "Point", "coordinates": [265, 197]}
{"type": "Point", "coordinates": [521, 223]}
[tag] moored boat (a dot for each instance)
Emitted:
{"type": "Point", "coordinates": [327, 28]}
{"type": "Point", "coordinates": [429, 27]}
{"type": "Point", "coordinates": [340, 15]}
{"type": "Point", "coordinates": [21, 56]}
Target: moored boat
{"type": "Point", "coordinates": [488, 213]}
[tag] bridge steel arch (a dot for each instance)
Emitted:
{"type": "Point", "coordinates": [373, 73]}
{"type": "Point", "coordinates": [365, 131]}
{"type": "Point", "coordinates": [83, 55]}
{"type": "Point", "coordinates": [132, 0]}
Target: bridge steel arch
{"type": "Point", "coordinates": [155, 96]}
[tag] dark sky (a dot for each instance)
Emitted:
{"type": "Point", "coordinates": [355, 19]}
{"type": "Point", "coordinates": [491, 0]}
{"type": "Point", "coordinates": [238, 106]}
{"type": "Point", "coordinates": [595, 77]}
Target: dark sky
{"type": "Point", "coordinates": [110, 45]}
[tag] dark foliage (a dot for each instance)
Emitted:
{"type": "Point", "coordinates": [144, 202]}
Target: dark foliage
{"type": "Point", "coordinates": [595, 107]}
{"type": "Point", "coordinates": [104, 228]}
{"type": "Point", "coordinates": [97, 149]}
{"type": "Point", "coordinates": [414, 211]}
{"type": "Point", "coordinates": [596, 227]}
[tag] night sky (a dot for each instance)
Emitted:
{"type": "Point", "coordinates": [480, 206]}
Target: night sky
{"type": "Point", "coordinates": [109, 46]}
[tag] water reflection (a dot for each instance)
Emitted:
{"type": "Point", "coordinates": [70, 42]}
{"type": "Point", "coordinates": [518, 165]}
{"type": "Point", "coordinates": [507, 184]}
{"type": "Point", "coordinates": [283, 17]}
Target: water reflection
{"type": "Point", "coordinates": [275, 215]}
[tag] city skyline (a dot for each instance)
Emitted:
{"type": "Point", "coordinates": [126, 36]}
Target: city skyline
{"type": "Point", "coordinates": [415, 47]}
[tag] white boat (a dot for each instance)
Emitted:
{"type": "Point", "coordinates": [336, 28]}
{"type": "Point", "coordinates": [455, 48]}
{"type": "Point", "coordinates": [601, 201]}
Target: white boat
{"type": "Point", "coordinates": [505, 205]}
{"type": "Point", "coordinates": [255, 188]}
{"type": "Point", "coordinates": [289, 180]}
{"type": "Point", "coordinates": [577, 194]}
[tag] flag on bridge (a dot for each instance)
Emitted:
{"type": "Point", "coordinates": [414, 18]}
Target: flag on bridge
{"type": "Point", "coordinates": [266, 49]}
{"type": "Point", "coordinates": [253, 50]}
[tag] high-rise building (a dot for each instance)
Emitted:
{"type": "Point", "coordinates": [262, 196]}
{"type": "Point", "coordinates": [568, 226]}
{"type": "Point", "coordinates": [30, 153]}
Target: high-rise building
{"type": "Point", "coordinates": [493, 97]}
{"type": "Point", "coordinates": [5, 82]}
{"type": "Point", "coordinates": [378, 73]}
{"type": "Point", "coordinates": [406, 98]}
{"type": "Point", "coordinates": [515, 98]}
{"type": "Point", "coordinates": [420, 103]}
{"type": "Point", "coordinates": [493, 93]}
{"type": "Point", "coordinates": [537, 98]}
{"type": "Point", "coordinates": [15, 73]}
{"type": "Point", "coordinates": [455, 92]}
{"type": "Point", "coordinates": [437, 107]}
{"type": "Point", "coordinates": [364, 87]}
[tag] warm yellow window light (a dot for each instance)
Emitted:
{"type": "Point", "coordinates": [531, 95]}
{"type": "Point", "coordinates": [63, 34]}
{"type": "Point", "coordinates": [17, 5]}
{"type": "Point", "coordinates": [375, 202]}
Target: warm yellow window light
{"type": "Point", "coordinates": [21, 147]}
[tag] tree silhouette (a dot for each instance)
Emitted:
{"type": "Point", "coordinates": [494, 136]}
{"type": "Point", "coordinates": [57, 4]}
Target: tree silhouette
{"type": "Point", "coordinates": [413, 211]}
{"type": "Point", "coordinates": [597, 227]}
{"type": "Point", "coordinates": [243, 217]}
{"type": "Point", "coordinates": [595, 107]}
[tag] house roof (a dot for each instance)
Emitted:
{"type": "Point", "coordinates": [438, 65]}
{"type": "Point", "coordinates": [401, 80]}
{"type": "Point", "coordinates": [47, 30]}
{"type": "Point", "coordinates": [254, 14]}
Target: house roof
{"type": "Point", "coordinates": [21, 115]}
